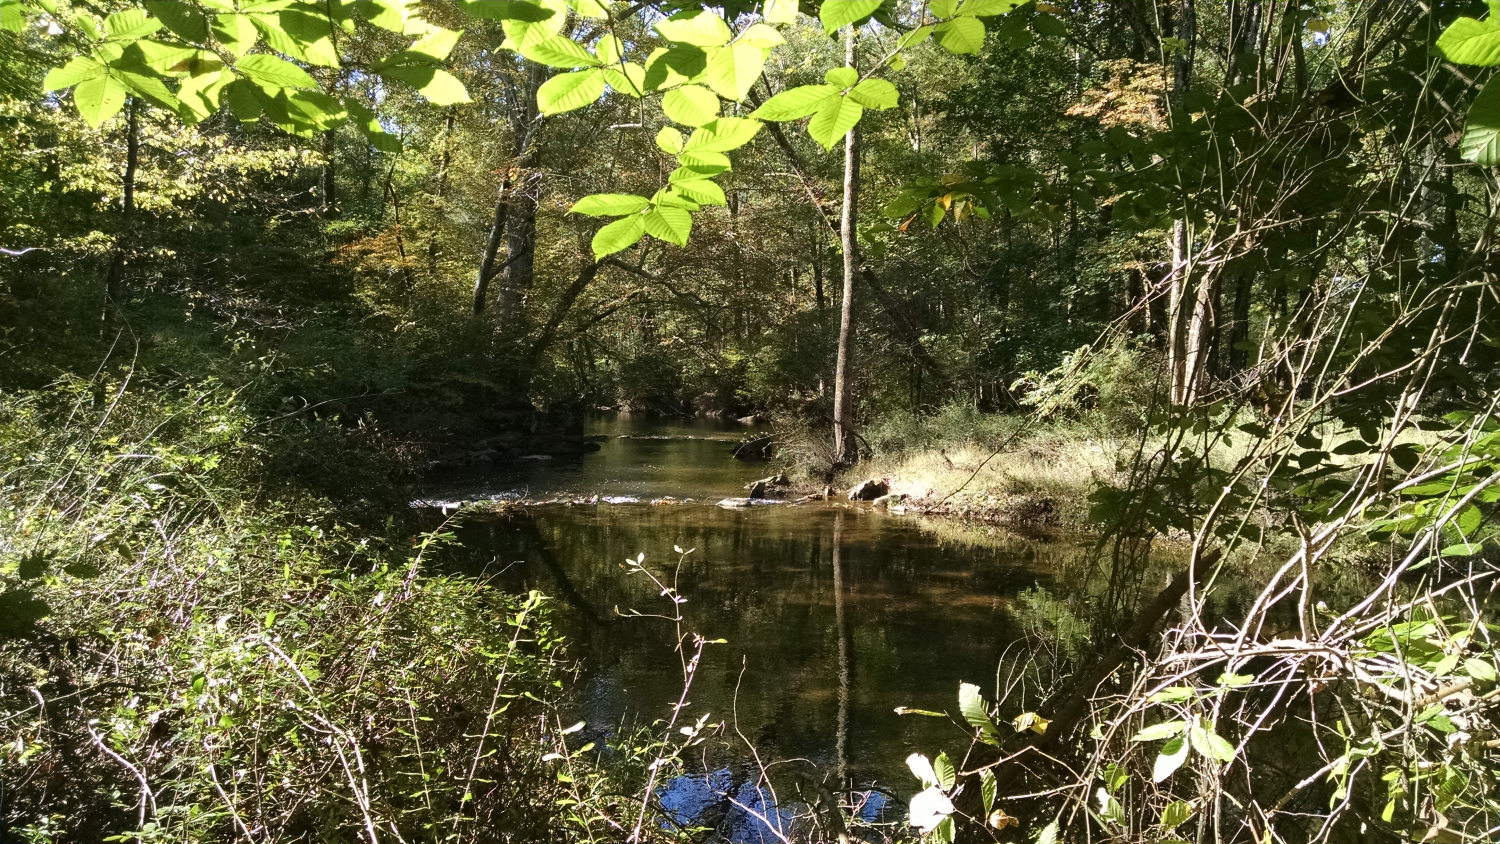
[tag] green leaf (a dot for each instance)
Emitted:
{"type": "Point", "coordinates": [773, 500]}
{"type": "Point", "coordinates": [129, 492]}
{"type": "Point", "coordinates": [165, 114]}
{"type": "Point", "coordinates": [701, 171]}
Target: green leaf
{"type": "Point", "coordinates": [1049, 834]}
{"type": "Point", "coordinates": [668, 198]}
{"type": "Point", "coordinates": [1479, 669]}
{"type": "Point", "coordinates": [836, 13]}
{"type": "Point", "coordinates": [368, 125]}
{"type": "Point", "coordinates": [569, 91]}
{"type": "Point", "coordinates": [976, 712]}
{"type": "Point", "coordinates": [1468, 41]}
{"type": "Point", "coordinates": [1157, 732]}
{"type": "Point", "coordinates": [12, 16]}
{"type": "Point", "coordinates": [841, 77]}
{"type": "Point", "coordinates": [701, 191]}
{"type": "Point", "coordinates": [732, 70]}
{"type": "Point", "coordinates": [242, 100]}
{"type": "Point", "coordinates": [699, 28]}
{"type": "Point", "coordinates": [669, 140]}
{"type": "Point", "coordinates": [301, 36]}
{"type": "Point", "coordinates": [391, 14]}
{"type": "Point", "coordinates": [434, 47]}
{"type": "Point", "coordinates": [834, 119]}
{"type": "Point", "coordinates": [591, 9]}
{"type": "Point", "coordinates": [181, 18]}
{"type": "Point", "coordinates": [875, 93]}
{"type": "Point", "coordinates": [943, 768]}
{"type": "Point", "coordinates": [723, 135]}
{"type": "Point", "coordinates": [609, 49]}
{"type": "Point", "coordinates": [942, 8]}
{"type": "Point", "coordinates": [1171, 757]}
{"type": "Point", "coordinates": [129, 25]}
{"type": "Point", "coordinates": [442, 88]}
{"type": "Point", "coordinates": [1481, 139]}
{"type": "Point", "coordinates": [621, 234]}
{"type": "Point", "coordinates": [987, 8]}
{"type": "Point", "coordinates": [1173, 694]}
{"type": "Point", "coordinates": [690, 105]}
{"type": "Point", "coordinates": [703, 162]}
{"type": "Point", "coordinates": [781, 11]}
{"type": "Point", "coordinates": [960, 35]}
{"type": "Point", "coordinates": [274, 72]}
{"type": "Point", "coordinates": [553, 51]}
{"type": "Point", "coordinates": [610, 205]}
{"type": "Point", "coordinates": [795, 102]}
{"type": "Point", "coordinates": [80, 69]}
{"type": "Point", "coordinates": [236, 32]}
{"type": "Point", "coordinates": [1210, 744]}
{"type": "Point", "coordinates": [99, 99]}
{"type": "Point", "coordinates": [681, 64]}
{"type": "Point", "coordinates": [1175, 814]}
{"type": "Point", "coordinates": [149, 87]}
{"type": "Point", "coordinates": [987, 786]}
{"type": "Point", "coordinates": [669, 224]}
{"type": "Point", "coordinates": [760, 36]}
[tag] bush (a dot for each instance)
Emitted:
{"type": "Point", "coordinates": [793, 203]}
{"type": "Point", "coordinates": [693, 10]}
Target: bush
{"type": "Point", "coordinates": [187, 657]}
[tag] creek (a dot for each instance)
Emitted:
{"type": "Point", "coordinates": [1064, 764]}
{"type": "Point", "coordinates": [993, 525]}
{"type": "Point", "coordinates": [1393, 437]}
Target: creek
{"type": "Point", "coordinates": [833, 614]}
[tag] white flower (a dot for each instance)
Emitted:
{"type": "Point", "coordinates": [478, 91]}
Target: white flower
{"type": "Point", "coordinates": [930, 808]}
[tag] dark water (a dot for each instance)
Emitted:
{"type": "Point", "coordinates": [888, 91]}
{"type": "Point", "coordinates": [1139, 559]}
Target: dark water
{"type": "Point", "coordinates": [833, 615]}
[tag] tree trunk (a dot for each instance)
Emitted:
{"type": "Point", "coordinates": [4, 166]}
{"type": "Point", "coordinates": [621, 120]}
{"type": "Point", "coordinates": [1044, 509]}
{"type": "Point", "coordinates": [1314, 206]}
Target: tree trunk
{"type": "Point", "coordinates": [1239, 327]}
{"type": "Point", "coordinates": [330, 180]}
{"type": "Point", "coordinates": [114, 282]}
{"type": "Point", "coordinates": [845, 451]}
{"type": "Point", "coordinates": [525, 195]}
{"type": "Point", "coordinates": [1181, 354]}
{"type": "Point", "coordinates": [441, 191]}
{"type": "Point", "coordinates": [526, 124]}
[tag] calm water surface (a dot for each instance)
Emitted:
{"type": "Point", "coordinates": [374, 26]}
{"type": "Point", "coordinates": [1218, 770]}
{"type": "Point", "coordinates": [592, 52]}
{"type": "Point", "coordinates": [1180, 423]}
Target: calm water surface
{"type": "Point", "coordinates": [833, 615]}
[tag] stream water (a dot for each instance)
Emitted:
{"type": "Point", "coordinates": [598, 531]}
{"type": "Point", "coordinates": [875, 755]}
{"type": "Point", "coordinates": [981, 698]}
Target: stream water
{"type": "Point", "coordinates": [833, 614]}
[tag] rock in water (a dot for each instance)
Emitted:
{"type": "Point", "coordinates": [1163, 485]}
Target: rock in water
{"type": "Point", "coordinates": [869, 490]}
{"type": "Point", "coordinates": [758, 489]}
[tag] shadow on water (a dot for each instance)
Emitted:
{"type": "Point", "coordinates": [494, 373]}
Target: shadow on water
{"type": "Point", "coordinates": [833, 616]}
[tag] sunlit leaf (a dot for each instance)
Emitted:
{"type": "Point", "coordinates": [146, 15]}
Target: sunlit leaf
{"type": "Point", "coordinates": [609, 204]}
{"type": "Point", "coordinates": [1171, 757]}
{"type": "Point", "coordinates": [723, 135]}
{"type": "Point", "coordinates": [834, 14]}
{"type": "Point", "coordinates": [699, 28]}
{"type": "Point", "coordinates": [569, 91]}
{"type": "Point", "coordinates": [1469, 41]}
{"type": "Point", "coordinates": [732, 70]}
{"type": "Point", "coordinates": [670, 224]}
{"type": "Point", "coordinates": [1210, 744]}
{"type": "Point", "coordinates": [99, 99]}
{"type": "Point", "coordinates": [875, 93]}
{"type": "Point", "coordinates": [833, 120]}
{"type": "Point", "coordinates": [669, 140]}
{"type": "Point", "coordinates": [79, 69]}
{"type": "Point", "coordinates": [795, 102]}
{"type": "Point", "coordinates": [1175, 814]}
{"type": "Point", "coordinates": [130, 24]}
{"type": "Point", "coordinates": [619, 235]}
{"type": "Point", "coordinates": [960, 35]}
{"type": "Point", "coordinates": [690, 105]}
{"type": "Point", "coordinates": [273, 71]}
{"type": "Point", "coordinates": [442, 88]}
{"type": "Point", "coordinates": [181, 18]}
{"type": "Point", "coordinates": [781, 11]}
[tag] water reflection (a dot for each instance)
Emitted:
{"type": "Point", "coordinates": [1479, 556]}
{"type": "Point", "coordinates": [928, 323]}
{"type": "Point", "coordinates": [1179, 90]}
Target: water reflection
{"type": "Point", "coordinates": [834, 617]}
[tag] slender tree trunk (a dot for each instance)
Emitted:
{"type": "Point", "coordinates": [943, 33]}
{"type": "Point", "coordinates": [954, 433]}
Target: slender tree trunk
{"type": "Point", "coordinates": [491, 249]}
{"type": "Point", "coordinates": [1200, 338]}
{"type": "Point", "coordinates": [442, 189]}
{"type": "Point", "coordinates": [1180, 290]}
{"type": "Point", "coordinates": [330, 178]}
{"type": "Point", "coordinates": [114, 282]}
{"type": "Point", "coordinates": [845, 450]}
{"type": "Point", "coordinates": [1239, 328]}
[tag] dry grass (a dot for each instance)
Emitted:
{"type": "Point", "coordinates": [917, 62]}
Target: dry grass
{"type": "Point", "coordinates": [1043, 480]}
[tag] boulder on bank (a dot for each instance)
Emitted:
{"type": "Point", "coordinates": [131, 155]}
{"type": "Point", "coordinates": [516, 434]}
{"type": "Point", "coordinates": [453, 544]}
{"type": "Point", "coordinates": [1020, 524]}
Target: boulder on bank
{"type": "Point", "coordinates": [765, 486]}
{"type": "Point", "coordinates": [869, 490]}
{"type": "Point", "coordinates": [890, 499]}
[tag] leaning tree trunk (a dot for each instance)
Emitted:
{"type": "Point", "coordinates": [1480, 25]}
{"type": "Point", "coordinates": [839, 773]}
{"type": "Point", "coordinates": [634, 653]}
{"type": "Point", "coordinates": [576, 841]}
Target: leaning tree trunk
{"type": "Point", "coordinates": [845, 450]}
{"type": "Point", "coordinates": [114, 282]}
{"type": "Point", "coordinates": [1181, 294]}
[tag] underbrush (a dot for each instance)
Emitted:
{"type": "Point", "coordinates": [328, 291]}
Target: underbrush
{"type": "Point", "coordinates": [192, 652]}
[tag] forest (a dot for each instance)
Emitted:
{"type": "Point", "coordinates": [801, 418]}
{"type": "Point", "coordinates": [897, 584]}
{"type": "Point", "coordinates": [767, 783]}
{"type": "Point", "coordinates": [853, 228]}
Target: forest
{"type": "Point", "coordinates": [770, 420]}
